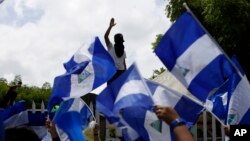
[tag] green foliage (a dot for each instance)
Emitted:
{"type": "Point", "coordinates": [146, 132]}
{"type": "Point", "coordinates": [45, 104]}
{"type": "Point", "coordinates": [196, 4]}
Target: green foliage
{"type": "Point", "coordinates": [29, 94]}
{"type": "Point", "coordinates": [17, 79]}
{"type": "Point", "coordinates": [157, 40]}
{"type": "Point", "coordinates": [157, 72]}
{"type": "Point", "coordinates": [46, 86]}
{"type": "Point", "coordinates": [3, 88]}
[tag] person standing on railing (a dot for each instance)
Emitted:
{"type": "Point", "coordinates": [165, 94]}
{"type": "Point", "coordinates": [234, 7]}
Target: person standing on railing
{"type": "Point", "coordinates": [116, 51]}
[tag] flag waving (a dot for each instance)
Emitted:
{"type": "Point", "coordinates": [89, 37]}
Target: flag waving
{"type": "Point", "coordinates": [128, 90]}
{"type": "Point", "coordinates": [230, 102]}
{"type": "Point", "coordinates": [86, 70]}
{"type": "Point", "coordinates": [192, 56]}
{"type": "Point", "coordinates": [72, 117]}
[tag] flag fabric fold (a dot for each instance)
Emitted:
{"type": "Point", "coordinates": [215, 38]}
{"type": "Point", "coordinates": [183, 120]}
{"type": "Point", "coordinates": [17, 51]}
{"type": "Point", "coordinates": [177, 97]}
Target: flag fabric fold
{"type": "Point", "coordinates": [191, 55]}
{"type": "Point", "coordinates": [145, 122]}
{"type": "Point", "coordinates": [15, 115]}
{"type": "Point", "coordinates": [86, 70]}
{"type": "Point", "coordinates": [142, 123]}
{"type": "Point", "coordinates": [229, 103]}
{"type": "Point", "coordinates": [128, 90]}
{"type": "Point", "coordinates": [72, 117]}
{"type": "Point", "coordinates": [239, 107]}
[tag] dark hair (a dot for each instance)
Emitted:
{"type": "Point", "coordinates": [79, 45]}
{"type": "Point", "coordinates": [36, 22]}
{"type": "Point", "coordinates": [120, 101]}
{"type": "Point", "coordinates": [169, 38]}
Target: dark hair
{"type": "Point", "coordinates": [20, 134]}
{"type": "Point", "coordinates": [118, 38]}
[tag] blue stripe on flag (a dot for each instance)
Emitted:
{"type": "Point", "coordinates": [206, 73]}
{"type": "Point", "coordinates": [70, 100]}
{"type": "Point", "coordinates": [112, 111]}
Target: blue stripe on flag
{"type": "Point", "coordinates": [177, 38]}
{"type": "Point", "coordinates": [103, 64]}
{"type": "Point", "coordinates": [14, 109]}
{"type": "Point", "coordinates": [135, 117]}
{"type": "Point", "coordinates": [77, 115]}
{"type": "Point", "coordinates": [246, 118]}
{"type": "Point", "coordinates": [146, 123]}
{"type": "Point", "coordinates": [210, 77]}
{"type": "Point", "coordinates": [128, 90]}
{"type": "Point", "coordinates": [192, 56]}
{"type": "Point", "coordinates": [188, 110]}
{"type": "Point", "coordinates": [84, 73]}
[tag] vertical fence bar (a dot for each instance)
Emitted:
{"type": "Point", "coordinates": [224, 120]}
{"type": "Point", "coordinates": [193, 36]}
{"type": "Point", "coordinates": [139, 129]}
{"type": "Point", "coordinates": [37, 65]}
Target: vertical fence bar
{"type": "Point", "coordinates": [33, 107]}
{"type": "Point", "coordinates": [204, 114]}
{"type": "Point", "coordinates": [42, 107]}
{"type": "Point", "coordinates": [222, 133]}
{"type": "Point", "coordinates": [213, 128]}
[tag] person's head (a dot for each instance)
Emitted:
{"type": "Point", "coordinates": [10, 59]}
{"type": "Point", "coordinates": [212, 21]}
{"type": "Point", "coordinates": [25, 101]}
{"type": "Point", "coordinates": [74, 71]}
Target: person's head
{"type": "Point", "coordinates": [118, 38]}
{"type": "Point", "coordinates": [20, 134]}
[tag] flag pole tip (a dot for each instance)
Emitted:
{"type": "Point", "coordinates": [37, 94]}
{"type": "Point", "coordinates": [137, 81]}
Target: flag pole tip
{"type": "Point", "coordinates": [186, 6]}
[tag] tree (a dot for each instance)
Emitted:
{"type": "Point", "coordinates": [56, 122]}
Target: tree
{"type": "Point", "coordinates": [17, 79]}
{"type": "Point", "coordinates": [46, 86]}
{"type": "Point", "coordinates": [157, 40]}
{"type": "Point", "coordinates": [3, 80]}
{"type": "Point", "coordinates": [226, 20]}
{"type": "Point", "coordinates": [154, 45]}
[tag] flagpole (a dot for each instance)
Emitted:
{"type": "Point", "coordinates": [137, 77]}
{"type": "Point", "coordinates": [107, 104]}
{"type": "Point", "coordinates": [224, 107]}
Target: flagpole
{"type": "Point", "coordinates": [145, 85]}
{"type": "Point", "coordinates": [220, 48]}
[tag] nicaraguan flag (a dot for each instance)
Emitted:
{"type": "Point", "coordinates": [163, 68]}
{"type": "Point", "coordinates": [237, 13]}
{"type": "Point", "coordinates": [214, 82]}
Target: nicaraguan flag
{"type": "Point", "coordinates": [146, 123]}
{"type": "Point", "coordinates": [218, 103]}
{"type": "Point", "coordinates": [72, 117]}
{"type": "Point", "coordinates": [239, 106]}
{"type": "Point", "coordinates": [128, 90]}
{"type": "Point", "coordinates": [86, 70]}
{"type": "Point", "coordinates": [17, 115]}
{"type": "Point", "coordinates": [193, 57]}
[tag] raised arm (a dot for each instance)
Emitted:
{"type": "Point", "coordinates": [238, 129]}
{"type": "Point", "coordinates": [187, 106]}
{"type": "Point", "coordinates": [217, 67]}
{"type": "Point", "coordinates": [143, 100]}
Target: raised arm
{"type": "Point", "coordinates": [106, 35]}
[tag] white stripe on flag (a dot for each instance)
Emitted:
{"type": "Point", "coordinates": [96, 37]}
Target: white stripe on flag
{"type": "Point", "coordinates": [193, 59]}
{"type": "Point", "coordinates": [239, 102]}
{"type": "Point", "coordinates": [17, 120]}
{"type": "Point", "coordinates": [163, 97]}
{"type": "Point", "coordinates": [86, 84]}
{"type": "Point", "coordinates": [131, 87]}
{"type": "Point", "coordinates": [163, 134]}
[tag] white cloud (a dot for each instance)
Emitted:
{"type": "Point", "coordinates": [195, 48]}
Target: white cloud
{"type": "Point", "coordinates": [37, 47]}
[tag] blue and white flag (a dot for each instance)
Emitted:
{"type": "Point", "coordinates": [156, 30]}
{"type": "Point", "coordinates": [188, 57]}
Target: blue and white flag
{"type": "Point", "coordinates": [86, 70]}
{"type": "Point", "coordinates": [15, 115]}
{"type": "Point", "coordinates": [217, 103]}
{"type": "Point", "coordinates": [239, 106]}
{"type": "Point", "coordinates": [192, 56]}
{"type": "Point", "coordinates": [224, 103]}
{"type": "Point", "coordinates": [72, 117]}
{"type": "Point", "coordinates": [128, 90]}
{"type": "Point", "coordinates": [146, 123]}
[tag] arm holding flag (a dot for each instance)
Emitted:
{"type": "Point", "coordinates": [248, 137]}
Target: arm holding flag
{"type": "Point", "coordinates": [171, 117]}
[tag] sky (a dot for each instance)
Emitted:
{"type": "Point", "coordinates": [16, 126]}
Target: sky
{"type": "Point", "coordinates": [38, 36]}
